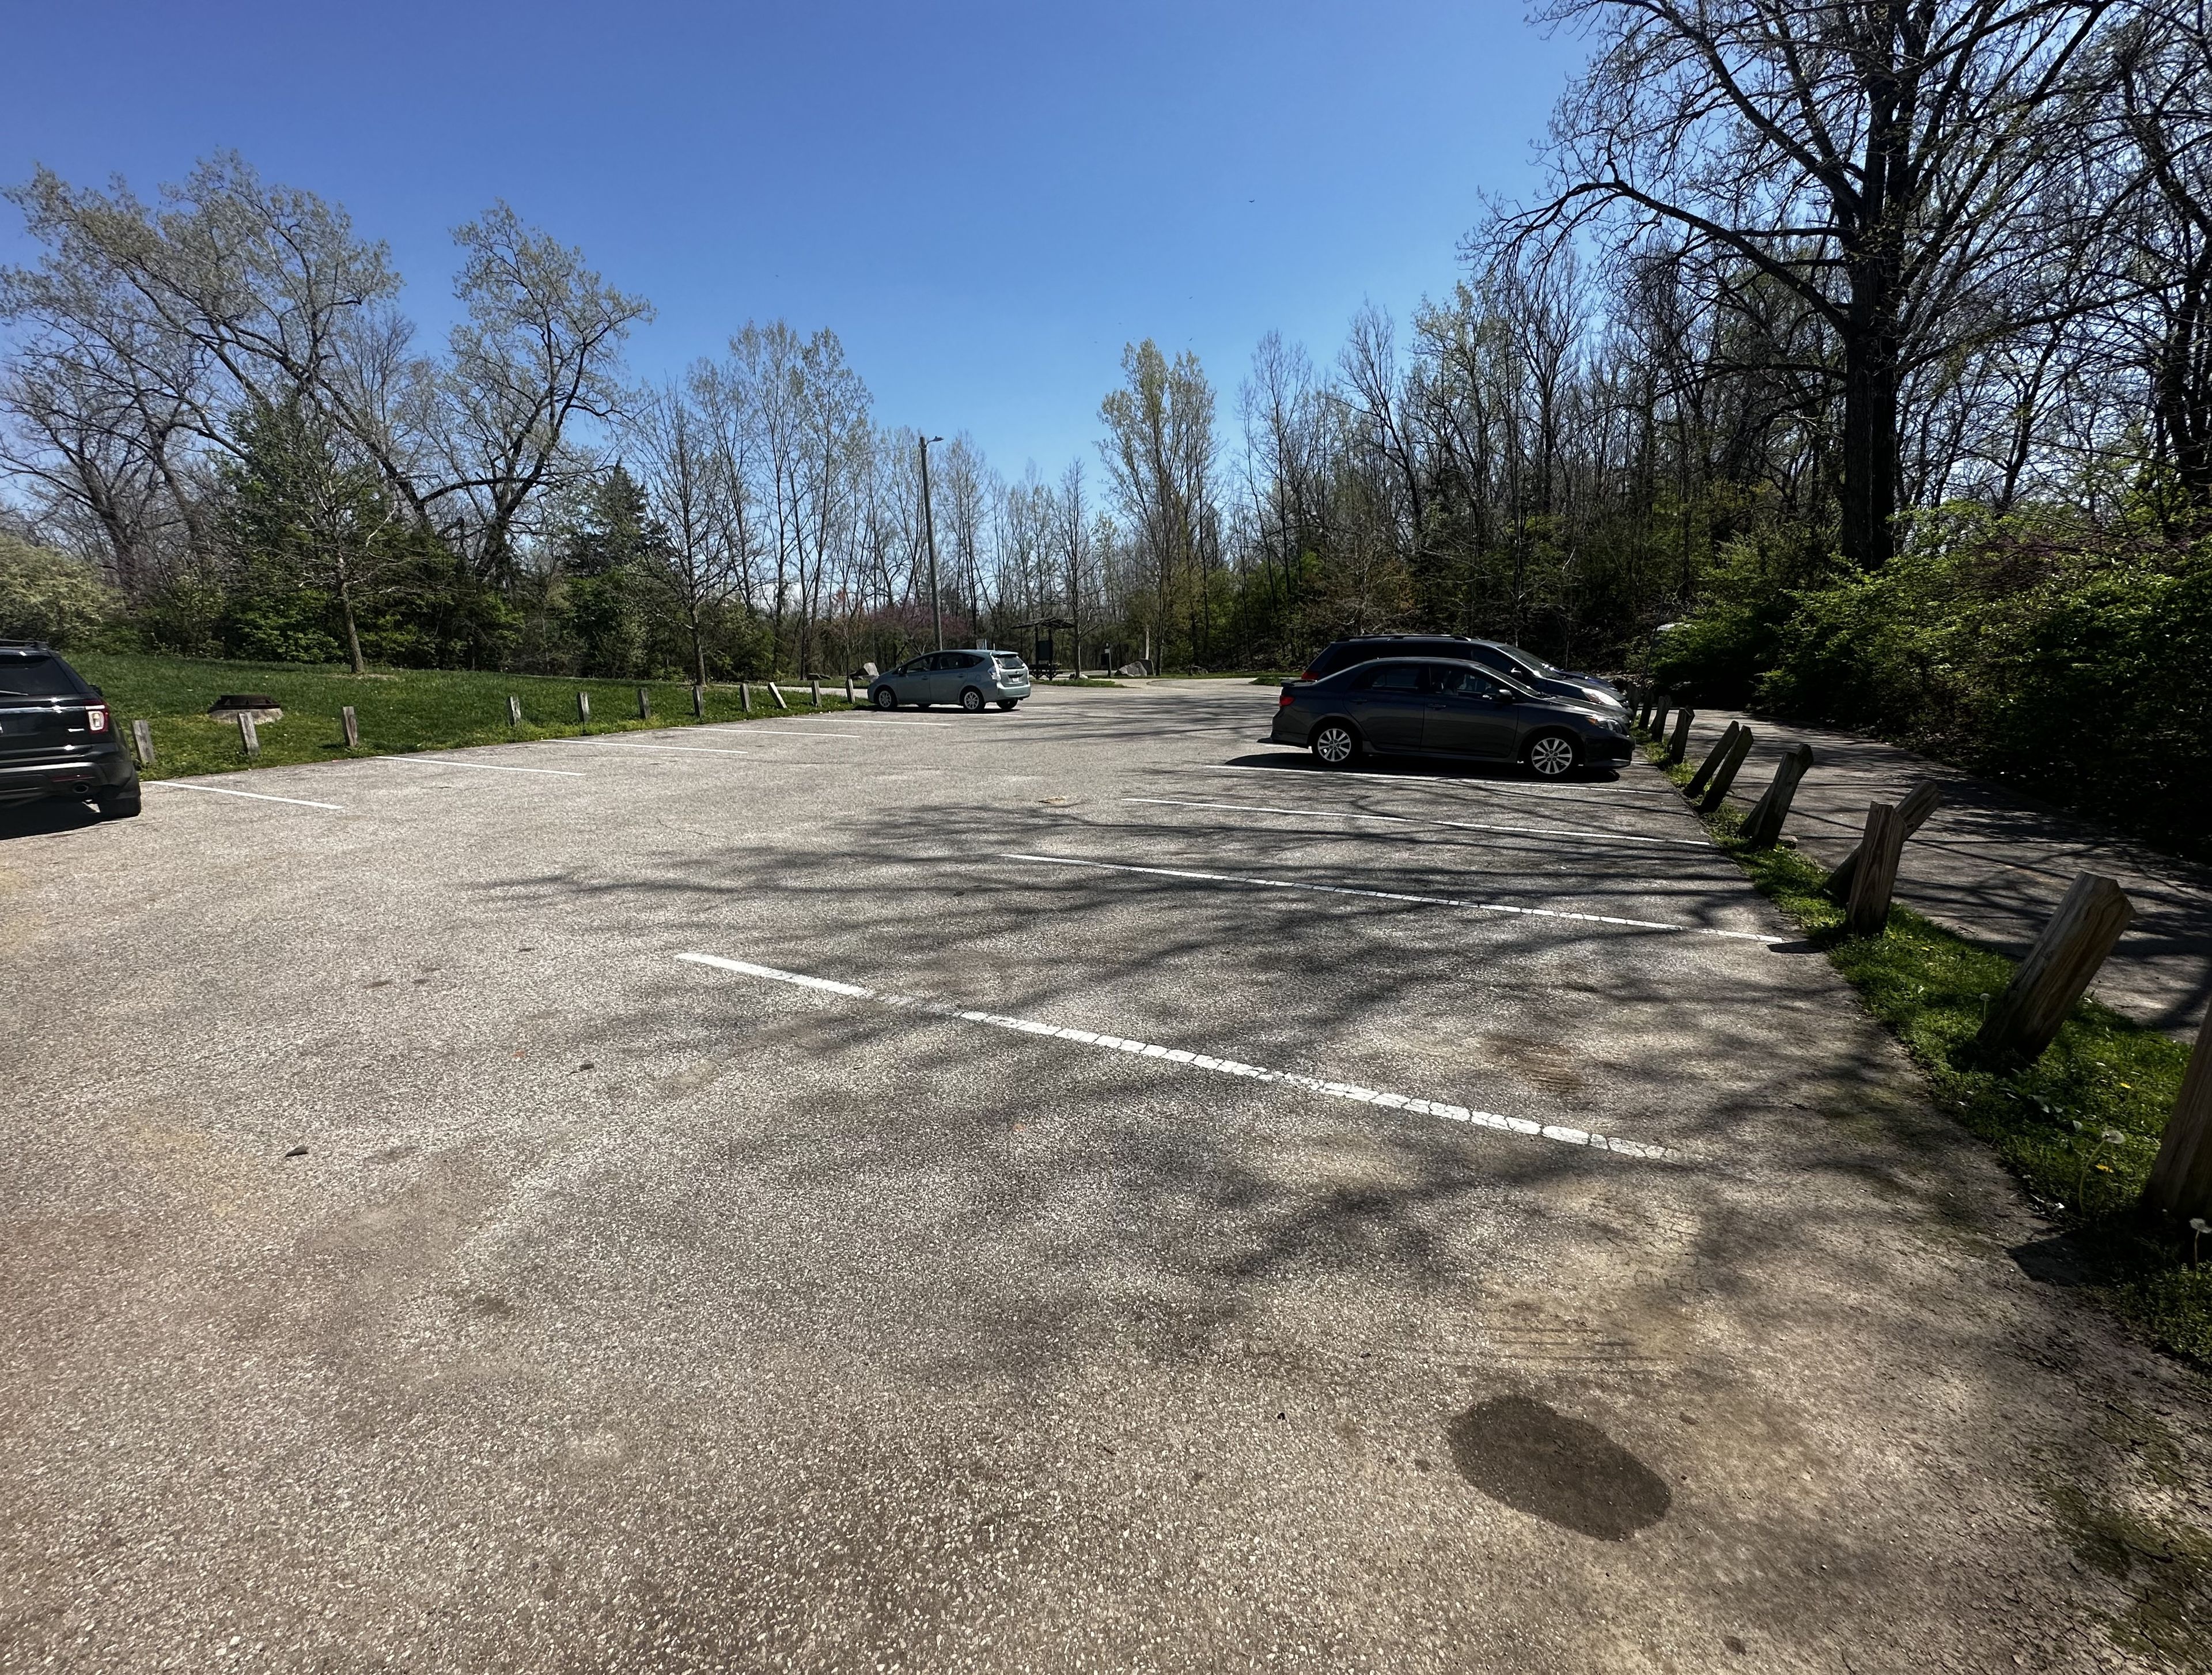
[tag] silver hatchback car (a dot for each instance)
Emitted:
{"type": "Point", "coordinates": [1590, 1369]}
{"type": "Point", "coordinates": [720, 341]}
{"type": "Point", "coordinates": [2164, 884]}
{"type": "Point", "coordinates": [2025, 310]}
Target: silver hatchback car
{"type": "Point", "coordinates": [969, 679]}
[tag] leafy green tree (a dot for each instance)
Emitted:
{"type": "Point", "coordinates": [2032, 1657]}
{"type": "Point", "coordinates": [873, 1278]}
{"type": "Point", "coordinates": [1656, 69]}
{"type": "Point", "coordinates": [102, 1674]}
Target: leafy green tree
{"type": "Point", "coordinates": [610, 556]}
{"type": "Point", "coordinates": [48, 595]}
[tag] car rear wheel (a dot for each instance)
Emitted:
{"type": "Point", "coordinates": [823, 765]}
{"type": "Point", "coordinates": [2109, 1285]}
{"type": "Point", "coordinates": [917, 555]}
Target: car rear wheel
{"type": "Point", "coordinates": [1336, 745]}
{"type": "Point", "coordinates": [886, 698]}
{"type": "Point", "coordinates": [1008, 703]}
{"type": "Point", "coordinates": [970, 699]}
{"type": "Point", "coordinates": [1552, 755]}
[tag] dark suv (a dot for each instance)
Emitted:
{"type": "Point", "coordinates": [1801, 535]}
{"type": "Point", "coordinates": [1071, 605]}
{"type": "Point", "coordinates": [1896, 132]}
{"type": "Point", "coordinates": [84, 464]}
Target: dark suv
{"type": "Point", "coordinates": [57, 736]}
{"type": "Point", "coordinates": [1523, 667]}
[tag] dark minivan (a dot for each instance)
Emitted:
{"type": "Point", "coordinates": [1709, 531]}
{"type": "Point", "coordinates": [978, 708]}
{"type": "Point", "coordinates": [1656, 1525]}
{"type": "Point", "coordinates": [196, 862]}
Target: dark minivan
{"type": "Point", "coordinates": [57, 736]}
{"type": "Point", "coordinates": [1523, 667]}
{"type": "Point", "coordinates": [1418, 706]}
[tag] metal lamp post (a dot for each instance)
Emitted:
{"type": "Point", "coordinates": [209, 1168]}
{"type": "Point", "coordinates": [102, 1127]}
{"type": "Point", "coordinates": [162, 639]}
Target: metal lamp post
{"type": "Point", "coordinates": [929, 535]}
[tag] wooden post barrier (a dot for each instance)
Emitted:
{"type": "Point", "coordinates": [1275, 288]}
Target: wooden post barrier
{"type": "Point", "coordinates": [584, 708]}
{"type": "Point", "coordinates": [2057, 970]}
{"type": "Point", "coordinates": [815, 681]}
{"type": "Point", "coordinates": [1711, 765]}
{"type": "Point", "coordinates": [644, 704]}
{"type": "Point", "coordinates": [1725, 776]}
{"type": "Point", "coordinates": [247, 738]}
{"type": "Point", "coordinates": [513, 710]}
{"type": "Point", "coordinates": [1911, 814]}
{"type": "Point", "coordinates": [351, 724]}
{"type": "Point", "coordinates": [1679, 746]}
{"type": "Point", "coordinates": [1644, 710]}
{"type": "Point", "coordinates": [1876, 882]}
{"type": "Point", "coordinates": [2181, 1180]}
{"type": "Point", "coordinates": [1658, 720]}
{"type": "Point", "coordinates": [698, 701]}
{"type": "Point", "coordinates": [142, 736]}
{"type": "Point", "coordinates": [1763, 825]}
{"type": "Point", "coordinates": [849, 699]}
{"type": "Point", "coordinates": [776, 691]}
{"type": "Point", "coordinates": [745, 696]}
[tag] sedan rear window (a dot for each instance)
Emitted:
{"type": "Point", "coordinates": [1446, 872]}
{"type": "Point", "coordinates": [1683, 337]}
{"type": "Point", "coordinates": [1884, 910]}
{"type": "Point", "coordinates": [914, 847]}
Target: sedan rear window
{"type": "Point", "coordinates": [36, 674]}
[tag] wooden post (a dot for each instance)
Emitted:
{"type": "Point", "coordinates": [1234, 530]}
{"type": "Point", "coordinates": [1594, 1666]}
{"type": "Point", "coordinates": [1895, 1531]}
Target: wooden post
{"type": "Point", "coordinates": [1764, 824]}
{"type": "Point", "coordinates": [850, 701]}
{"type": "Point", "coordinates": [644, 704]}
{"type": "Point", "coordinates": [746, 696]}
{"type": "Point", "coordinates": [1883, 843]}
{"type": "Point", "coordinates": [2056, 971]}
{"type": "Point", "coordinates": [776, 693]}
{"type": "Point", "coordinates": [1644, 710]}
{"type": "Point", "coordinates": [1711, 765]}
{"type": "Point", "coordinates": [352, 726]}
{"type": "Point", "coordinates": [816, 682]}
{"type": "Point", "coordinates": [246, 736]}
{"type": "Point", "coordinates": [142, 735]}
{"type": "Point", "coordinates": [2181, 1180]}
{"type": "Point", "coordinates": [584, 708]}
{"type": "Point", "coordinates": [513, 710]}
{"type": "Point", "coordinates": [698, 701]}
{"type": "Point", "coordinates": [1679, 746]}
{"type": "Point", "coordinates": [1658, 719]}
{"type": "Point", "coordinates": [1919, 803]}
{"type": "Point", "coordinates": [1725, 776]}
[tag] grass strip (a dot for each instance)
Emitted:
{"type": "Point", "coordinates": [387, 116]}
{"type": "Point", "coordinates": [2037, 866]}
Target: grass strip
{"type": "Point", "coordinates": [2080, 1127]}
{"type": "Point", "coordinates": [399, 711]}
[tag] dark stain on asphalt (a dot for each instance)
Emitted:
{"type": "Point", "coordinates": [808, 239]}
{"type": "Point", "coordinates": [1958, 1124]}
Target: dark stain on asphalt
{"type": "Point", "coordinates": [1564, 1470]}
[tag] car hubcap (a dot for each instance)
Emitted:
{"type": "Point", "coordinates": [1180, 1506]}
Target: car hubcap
{"type": "Point", "coordinates": [1551, 757]}
{"type": "Point", "coordinates": [972, 701]}
{"type": "Point", "coordinates": [884, 700]}
{"type": "Point", "coordinates": [1336, 745]}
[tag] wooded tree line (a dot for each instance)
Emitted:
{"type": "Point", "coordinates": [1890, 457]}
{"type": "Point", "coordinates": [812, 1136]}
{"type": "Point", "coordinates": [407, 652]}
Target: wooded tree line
{"type": "Point", "coordinates": [1813, 291]}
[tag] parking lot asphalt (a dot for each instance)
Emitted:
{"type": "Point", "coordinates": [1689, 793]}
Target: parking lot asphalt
{"type": "Point", "coordinates": [1074, 1189]}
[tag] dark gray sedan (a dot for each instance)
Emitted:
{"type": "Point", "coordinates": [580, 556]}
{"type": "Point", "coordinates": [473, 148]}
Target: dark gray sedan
{"type": "Point", "coordinates": [1418, 706]}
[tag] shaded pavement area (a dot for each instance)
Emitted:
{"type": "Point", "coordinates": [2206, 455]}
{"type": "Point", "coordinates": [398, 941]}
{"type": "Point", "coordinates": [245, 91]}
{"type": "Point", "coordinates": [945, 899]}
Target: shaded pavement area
{"type": "Point", "coordinates": [1991, 864]}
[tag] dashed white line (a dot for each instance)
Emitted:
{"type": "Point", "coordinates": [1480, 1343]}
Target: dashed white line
{"type": "Point", "coordinates": [257, 796]}
{"type": "Point", "coordinates": [1392, 895]}
{"type": "Point", "coordinates": [489, 767]}
{"type": "Point", "coordinates": [1410, 819]}
{"type": "Point", "coordinates": [1227, 1067]}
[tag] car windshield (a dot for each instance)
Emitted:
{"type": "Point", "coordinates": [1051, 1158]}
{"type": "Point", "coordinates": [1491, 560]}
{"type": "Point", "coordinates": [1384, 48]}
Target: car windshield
{"type": "Point", "coordinates": [1530, 658]}
{"type": "Point", "coordinates": [34, 674]}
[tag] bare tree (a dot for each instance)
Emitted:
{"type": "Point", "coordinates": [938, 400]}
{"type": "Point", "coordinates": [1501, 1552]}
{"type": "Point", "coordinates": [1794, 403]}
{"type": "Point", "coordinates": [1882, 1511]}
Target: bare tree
{"type": "Point", "coordinates": [1879, 161]}
{"type": "Point", "coordinates": [540, 349]}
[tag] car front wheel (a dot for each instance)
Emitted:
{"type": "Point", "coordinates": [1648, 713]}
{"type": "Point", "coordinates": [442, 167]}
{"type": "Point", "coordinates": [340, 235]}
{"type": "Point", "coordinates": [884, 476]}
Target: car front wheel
{"type": "Point", "coordinates": [1335, 745]}
{"type": "Point", "coordinates": [886, 698]}
{"type": "Point", "coordinates": [970, 699]}
{"type": "Point", "coordinates": [1552, 755]}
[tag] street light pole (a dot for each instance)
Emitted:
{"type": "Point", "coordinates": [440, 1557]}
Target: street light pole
{"type": "Point", "coordinates": [929, 534]}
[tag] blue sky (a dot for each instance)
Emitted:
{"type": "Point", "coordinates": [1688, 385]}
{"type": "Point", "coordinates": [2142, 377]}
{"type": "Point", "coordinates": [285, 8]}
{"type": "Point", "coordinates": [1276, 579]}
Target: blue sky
{"type": "Point", "coordinates": [985, 202]}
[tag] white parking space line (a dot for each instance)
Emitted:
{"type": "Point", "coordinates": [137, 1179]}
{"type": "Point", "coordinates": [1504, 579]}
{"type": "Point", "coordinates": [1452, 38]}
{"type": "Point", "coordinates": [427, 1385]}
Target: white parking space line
{"type": "Point", "coordinates": [1392, 895]}
{"type": "Point", "coordinates": [1227, 1067]}
{"type": "Point", "coordinates": [489, 767]}
{"type": "Point", "coordinates": [624, 744]}
{"type": "Point", "coordinates": [257, 796]}
{"type": "Point", "coordinates": [793, 732]}
{"type": "Point", "coordinates": [1410, 820]}
{"type": "Point", "coordinates": [1563, 794]}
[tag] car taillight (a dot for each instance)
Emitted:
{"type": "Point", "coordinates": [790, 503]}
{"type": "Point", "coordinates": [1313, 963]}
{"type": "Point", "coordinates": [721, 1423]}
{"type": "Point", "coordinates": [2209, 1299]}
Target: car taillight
{"type": "Point", "coordinates": [1309, 675]}
{"type": "Point", "coordinates": [95, 717]}
{"type": "Point", "coordinates": [1285, 699]}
